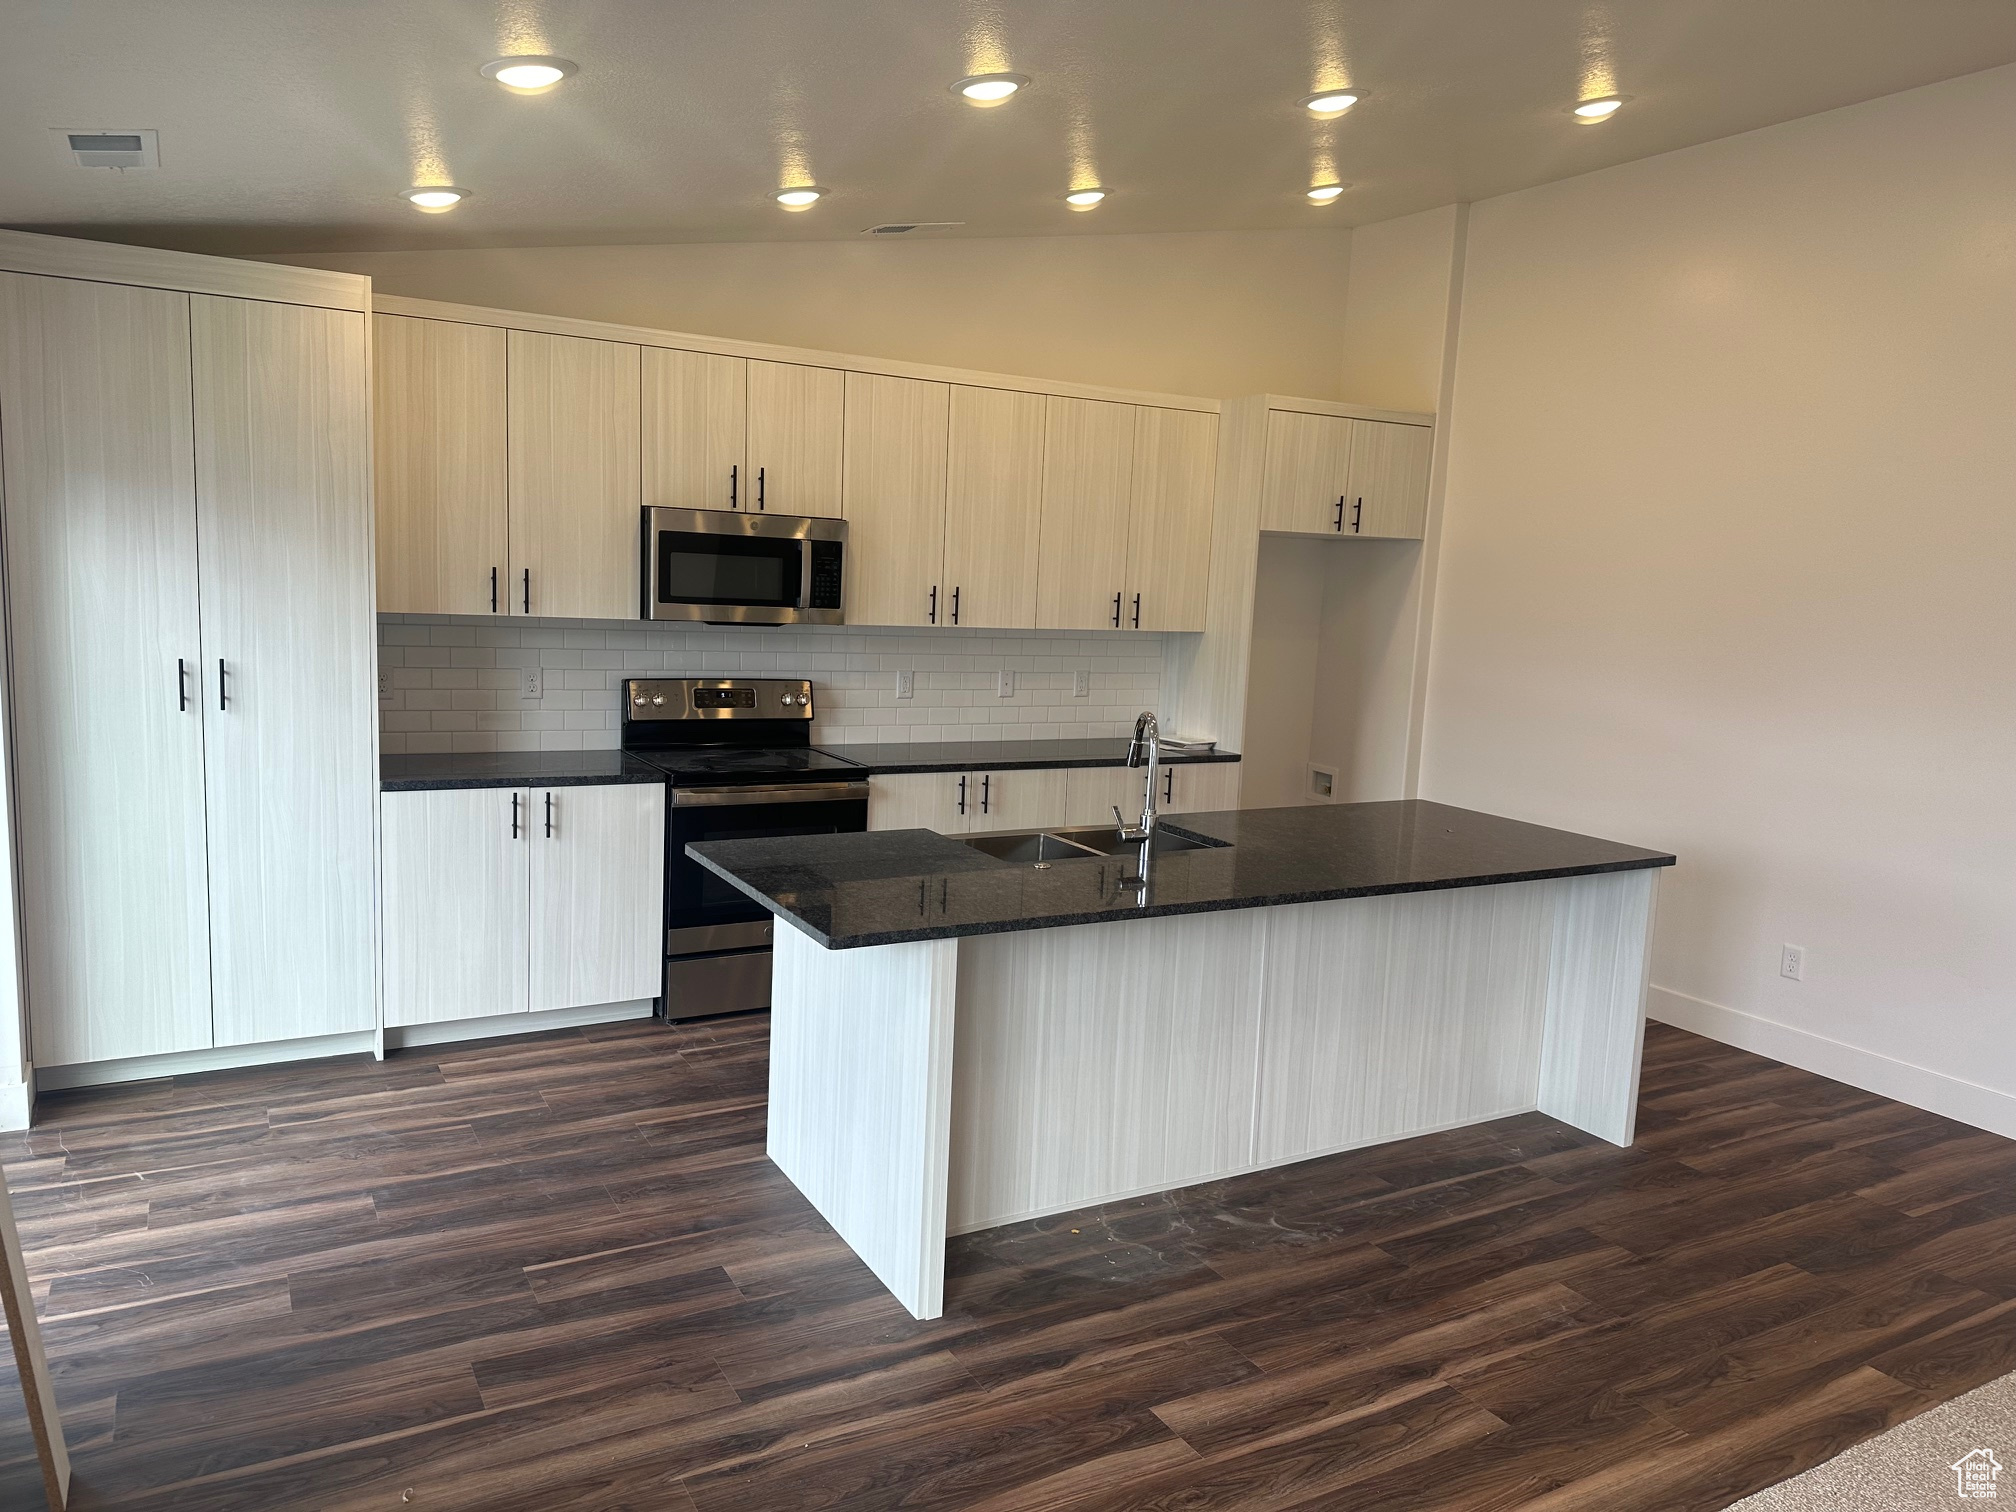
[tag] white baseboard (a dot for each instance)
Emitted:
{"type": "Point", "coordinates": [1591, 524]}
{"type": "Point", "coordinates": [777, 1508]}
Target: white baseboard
{"type": "Point", "coordinates": [410, 1036]}
{"type": "Point", "coordinates": [17, 1104]}
{"type": "Point", "coordinates": [188, 1062]}
{"type": "Point", "coordinates": [1934, 1091]}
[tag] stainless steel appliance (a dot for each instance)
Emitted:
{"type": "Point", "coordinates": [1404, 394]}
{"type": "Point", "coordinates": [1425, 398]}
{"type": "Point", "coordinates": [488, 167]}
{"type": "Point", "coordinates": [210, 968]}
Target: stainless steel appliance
{"type": "Point", "coordinates": [741, 765]}
{"type": "Point", "coordinates": [730, 567]}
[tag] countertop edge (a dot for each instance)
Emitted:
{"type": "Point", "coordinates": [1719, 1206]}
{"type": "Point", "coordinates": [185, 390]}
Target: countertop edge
{"type": "Point", "coordinates": [901, 768]}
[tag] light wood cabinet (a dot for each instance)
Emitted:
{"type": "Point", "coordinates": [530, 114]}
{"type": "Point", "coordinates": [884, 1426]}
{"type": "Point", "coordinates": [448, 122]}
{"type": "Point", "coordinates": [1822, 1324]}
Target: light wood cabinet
{"type": "Point", "coordinates": [290, 657]}
{"type": "Point", "coordinates": [797, 416]}
{"type": "Point", "coordinates": [1169, 519]}
{"type": "Point", "coordinates": [574, 476]}
{"type": "Point", "coordinates": [918, 800]}
{"type": "Point", "coordinates": [597, 894]}
{"type": "Point", "coordinates": [1333, 475]}
{"type": "Point", "coordinates": [696, 429]}
{"type": "Point", "coordinates": [1389, 479]}
{"type": "Point", "coordinates": [1200, 787]}
{"type": "Point", "coordinates": [188, 535]}
{"type": "Point", "coordinates": [1015, 800]}
{"type": "Point", "coordinates": [993, 508]}
{"type": "Point", "coordinates": [1088, 473]}
{"type": "Point", "coordinates": [504, 900]}
{"type": "Point", "coordinates": [438, 416]}
{"type": "Point", "coordinates": [895, 497]}
{"type": "Point", "coordinates": [454, 870]}
{"type": "Point", "coordinates": [1092, 793]}
{"type": "Point", "coordinates": [107, 667]}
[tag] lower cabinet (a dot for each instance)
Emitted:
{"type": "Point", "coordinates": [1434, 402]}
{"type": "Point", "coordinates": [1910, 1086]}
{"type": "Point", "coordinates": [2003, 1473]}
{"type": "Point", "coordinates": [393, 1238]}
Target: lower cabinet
{"type": "Point", "coordinates": [1200, 788]}
{"type": "Point", "coordinates": [965, 803]}
{"type": "Point", "coordinates": [509, 900]}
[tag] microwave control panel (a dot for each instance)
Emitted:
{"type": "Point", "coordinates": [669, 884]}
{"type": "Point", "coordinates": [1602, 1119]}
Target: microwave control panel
{"type": "Point", "coordinates": [822, 578]}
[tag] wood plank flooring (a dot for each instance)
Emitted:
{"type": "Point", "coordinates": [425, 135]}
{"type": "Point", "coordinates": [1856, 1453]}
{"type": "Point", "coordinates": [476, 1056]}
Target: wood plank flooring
{"type": "Point", "coordinates": [557, 1273]}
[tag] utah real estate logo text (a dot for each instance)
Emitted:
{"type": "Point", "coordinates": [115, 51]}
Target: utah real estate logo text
{"type": "Point", "coordinates": [1976, 1474]}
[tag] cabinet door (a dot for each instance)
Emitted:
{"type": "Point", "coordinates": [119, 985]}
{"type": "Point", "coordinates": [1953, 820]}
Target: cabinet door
{"type": "Point", "coordinates": [1016, 800]}
{"type": "Point", "coordinates": [696, 422]}
{"type": "Point", "coordinates": [1389, 479]}
{"type": "Point", "coordinates": [598, 894]}
{"type": "Point", "coordinates": [101, 606]}
{"type": "Point", "coordinates": [1088, 469]}
{"type": "Point", "coordinates": [1169, 523]}
{"type": "Point", "coordinates": [895, 497]}
{"type": "Point", "coordinates": [454, 870]}
{"type": "Point", "coordinates": [1308, 472]}
{"type": "Point", "coordinates": [438, 443]}
{"type": "Point", "coordinates": [923, 800]}
{"type": "Point", "coordinates": [796, 417]}
{"type": "Point", "coordinates": [1200, 788]}
{"type": "Point", "coordinates": [283, 493]}
{"type": "Point", "coordinates": [1092, 793]}
{"type": "Point", "coordinates": [993, 507]}
{"type": "Point", "coordinates": [574, 477]}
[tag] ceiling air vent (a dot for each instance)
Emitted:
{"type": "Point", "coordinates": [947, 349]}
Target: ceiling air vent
{"type": "Point", "coordinates": [112, 149]}
{"type": "Point", "coordinates": [904, 228]}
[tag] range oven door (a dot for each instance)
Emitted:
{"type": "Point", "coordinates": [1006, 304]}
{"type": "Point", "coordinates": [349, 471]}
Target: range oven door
{"type": "Point", "coordinates": [703, 913]}
{"type": "Point", "coordinates": [727, 567]}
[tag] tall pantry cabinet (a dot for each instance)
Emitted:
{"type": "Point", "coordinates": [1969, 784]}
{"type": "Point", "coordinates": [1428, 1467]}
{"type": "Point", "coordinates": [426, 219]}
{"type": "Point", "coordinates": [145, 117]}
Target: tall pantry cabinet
{"type": "Point", "coordinates": [190, 648]}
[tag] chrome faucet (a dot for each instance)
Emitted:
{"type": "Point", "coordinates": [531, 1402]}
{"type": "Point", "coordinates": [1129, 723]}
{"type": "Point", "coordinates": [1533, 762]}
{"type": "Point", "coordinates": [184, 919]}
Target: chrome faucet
{"type": "Point", "coordinates": [1147, 743]}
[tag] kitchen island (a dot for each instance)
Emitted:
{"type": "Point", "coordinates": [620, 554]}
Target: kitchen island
{"type": "Point", "coordinates": [961, 1040]}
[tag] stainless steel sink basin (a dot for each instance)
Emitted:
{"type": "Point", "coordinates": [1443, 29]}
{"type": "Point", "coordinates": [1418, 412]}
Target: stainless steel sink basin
{"type": "Point", "coordinates": [1030, 846]}
{"type": "Point", "coordinates": [1105, 839]}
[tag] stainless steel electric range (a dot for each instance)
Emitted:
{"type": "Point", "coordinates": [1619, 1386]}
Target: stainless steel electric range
{"type": "Point", "coordinates": [739, 755]}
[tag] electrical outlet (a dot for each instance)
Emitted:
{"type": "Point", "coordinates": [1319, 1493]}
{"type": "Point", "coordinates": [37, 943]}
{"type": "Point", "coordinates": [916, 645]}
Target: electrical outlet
{"type": "Point", "coordinates": [1792, 962]}
{"type": "Point", "coordinates": [384, 682]}
{"type": "Point", "coordinates": [1081, 683]}
{"type": "Point", "coordinates": [1004, 684]}
{"type": "Point", "coordinates": [906, 684]}
{"type": "Point", "coordinates": [531, 682]}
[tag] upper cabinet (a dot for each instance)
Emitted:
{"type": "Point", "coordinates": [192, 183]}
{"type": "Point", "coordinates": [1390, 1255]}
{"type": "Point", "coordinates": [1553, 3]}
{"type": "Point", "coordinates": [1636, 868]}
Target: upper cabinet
{"type": "Point", "coordinates": [573, 448]}
{"type": "Point", "coordinates": [993, 508]}
{"type": "Point", "coordinates": [438, 434]}
{"type": "Point", "coordinates": [1334, 475]}
{"type": "Point", "coordinates": [1169, 518]}
{"type": "Point", "coordinates": [796, 418]}
{"type": "Point", "coordinates": [1088, 480]}
{"type": "Point", "coordinates": [696, 429]}
{"type": "Point", "coordinates": [895, 494]}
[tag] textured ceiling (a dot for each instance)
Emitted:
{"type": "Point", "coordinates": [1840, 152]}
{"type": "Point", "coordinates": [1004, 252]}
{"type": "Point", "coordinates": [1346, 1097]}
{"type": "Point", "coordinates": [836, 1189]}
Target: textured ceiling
{"type": "Point", "coordinates": [291, 125]}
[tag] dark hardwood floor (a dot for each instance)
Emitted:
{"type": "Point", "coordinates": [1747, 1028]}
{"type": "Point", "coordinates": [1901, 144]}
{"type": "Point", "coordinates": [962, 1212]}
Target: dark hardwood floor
{"type": "Point", "coordinates": [556, 1273]}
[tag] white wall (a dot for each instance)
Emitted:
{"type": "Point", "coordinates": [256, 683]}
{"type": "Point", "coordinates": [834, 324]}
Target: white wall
{"type": "Point", "coordinates": [1396, 310]}
{"type": "Point", "coordinates": [1729, 568]}
{"type": "Point", "coordinates": [1211, 313]}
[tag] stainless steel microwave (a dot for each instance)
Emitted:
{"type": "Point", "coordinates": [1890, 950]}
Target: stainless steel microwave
{"type": "Point", "coordinates": [729, 568]}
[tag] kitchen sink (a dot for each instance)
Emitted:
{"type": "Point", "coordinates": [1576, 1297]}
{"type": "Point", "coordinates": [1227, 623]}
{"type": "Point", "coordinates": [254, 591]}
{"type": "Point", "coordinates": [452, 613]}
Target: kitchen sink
{"type": "Point", "coordinates": [1030, 846]}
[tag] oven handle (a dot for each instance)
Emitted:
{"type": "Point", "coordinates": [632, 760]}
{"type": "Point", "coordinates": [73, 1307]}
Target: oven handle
{"type": "Point", "coordinates": [803, 792]}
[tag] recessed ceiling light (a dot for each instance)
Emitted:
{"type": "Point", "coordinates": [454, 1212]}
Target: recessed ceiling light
{"type": "Point", "coordinates": [990, 89]}
{"type": "Point", "coordinates": [802, 197]}
{"type": "Point", "coordinates": [1328, 104]}
{"type": "Point", "coordinates": [1323, 194]}
{"type": "Point", "coordinates": [528, 75]}
{"type": "Point", "coordinates": [1589, 112]}
{"type": "Point", "coordinates": [1084, 199]}
{"type": "Point", "coordinates": [434, 198]}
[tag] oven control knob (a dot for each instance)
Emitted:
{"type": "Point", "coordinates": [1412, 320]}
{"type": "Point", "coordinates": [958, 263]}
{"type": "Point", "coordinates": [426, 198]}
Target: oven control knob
{"type": "Point", "coordinates": [658, 699]}
{"type": "Point", "coordinates": [637, 699]}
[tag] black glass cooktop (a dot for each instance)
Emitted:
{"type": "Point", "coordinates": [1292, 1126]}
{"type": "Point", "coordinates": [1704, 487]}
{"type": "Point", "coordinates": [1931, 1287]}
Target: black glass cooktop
{"type": "Point", "coordinates": [726, 764]}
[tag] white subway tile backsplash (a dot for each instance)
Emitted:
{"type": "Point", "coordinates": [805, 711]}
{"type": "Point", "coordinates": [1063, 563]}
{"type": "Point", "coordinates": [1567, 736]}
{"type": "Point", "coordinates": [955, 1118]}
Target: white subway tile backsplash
{"type": "Point", "coordinates": [455, 681]}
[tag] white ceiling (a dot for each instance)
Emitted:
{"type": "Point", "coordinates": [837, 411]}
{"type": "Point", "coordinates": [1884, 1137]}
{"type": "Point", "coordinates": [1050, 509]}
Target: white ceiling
{"type": "Point", "coordinates": [291, 125]}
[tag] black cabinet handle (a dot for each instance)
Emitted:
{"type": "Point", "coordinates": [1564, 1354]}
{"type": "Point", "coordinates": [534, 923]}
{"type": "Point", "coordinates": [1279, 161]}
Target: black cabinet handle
{"type": "Point", "coordinates": [182, 685]}
{"type": "Point", "coordinates": [735, 485]}
{"type": "Point", "coordinates": [528, 590]}
{"type": "Point", "coordinates": [1357, 516]}
{"type": "Point", "coordinates": [1339, 524]}
{"type": "Point", "coordinates": [549, 816]}
{"type": "Point", "coordinates": [761, 489]}
{"type": "Point", "coordinates": [493, 590]}
{"type": "Point", "coordinates": [934, 603]}
{"type": "Point", "coordinates": [514, 816]}
{"type": "Point", "coordinates": [223, 700]}
{"type": "Point", "coordinates": [1116, 611]}
{"type": "Point", "coordinates": [955, 605]}
{"type": "Point", "coordinates": [1168, 784]}
{"type": "Point", "coordinates": [1137, 611]}
{"type": "Point", "coordinates": [986, 792]}
{"type": "Point", "coordinates": [962, 795]}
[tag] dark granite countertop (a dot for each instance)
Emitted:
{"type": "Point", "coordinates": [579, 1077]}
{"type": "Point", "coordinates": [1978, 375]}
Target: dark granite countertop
{"type": "Point", "coordinates": [891, 886]}
{"type": "Point", "coordinates": [999, 755]}
{"type": "Point", "coordinates": [495, 769]}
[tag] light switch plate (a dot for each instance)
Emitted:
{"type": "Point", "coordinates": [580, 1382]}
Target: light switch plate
{"type": "Point", "coordinates": [906, 684]}
{"type": "Point", "coordinates": [1081, 683]}
{"type": "Point", "coordinates": [531, 682]}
